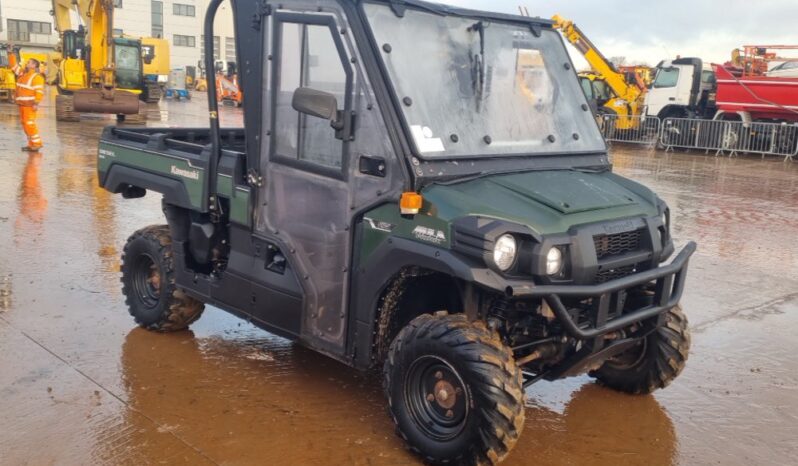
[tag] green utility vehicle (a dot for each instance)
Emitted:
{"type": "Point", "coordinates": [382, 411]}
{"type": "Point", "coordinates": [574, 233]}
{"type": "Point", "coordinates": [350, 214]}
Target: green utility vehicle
{"type": "Point", "coordinates": [416, 187]}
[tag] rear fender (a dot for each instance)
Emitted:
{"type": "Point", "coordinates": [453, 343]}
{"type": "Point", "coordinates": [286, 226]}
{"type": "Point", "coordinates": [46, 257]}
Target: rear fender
{"type": "Point", "coordinates": [123, 179]}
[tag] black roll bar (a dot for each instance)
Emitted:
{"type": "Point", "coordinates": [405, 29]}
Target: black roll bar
{"type": "Point", "coordinates": [213, 106]}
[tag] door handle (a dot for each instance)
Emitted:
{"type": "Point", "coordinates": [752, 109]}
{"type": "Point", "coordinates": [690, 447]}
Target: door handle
{"type": "Point", "coordinates": [370, 165]}
{"type": "Point", "coordinates": [672, 99]}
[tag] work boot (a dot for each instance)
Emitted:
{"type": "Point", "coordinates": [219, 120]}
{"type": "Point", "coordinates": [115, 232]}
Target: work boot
{"type": "Point", "coordinates": [30, 149]}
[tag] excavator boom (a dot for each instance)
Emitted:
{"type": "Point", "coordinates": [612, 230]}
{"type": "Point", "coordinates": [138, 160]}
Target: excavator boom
{"type": "Point", "coordinates": [90, 80]}
{"type": "Point", "coordinates": [65, 10]}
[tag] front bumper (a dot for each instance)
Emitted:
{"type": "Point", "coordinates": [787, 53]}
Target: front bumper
{"type": "Point", "coordinates": [669, 280]}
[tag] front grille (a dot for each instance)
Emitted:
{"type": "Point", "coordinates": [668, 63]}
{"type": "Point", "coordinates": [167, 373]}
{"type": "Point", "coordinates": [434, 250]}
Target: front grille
{"type": "Point", "coordinates": [617, 272]}
{"type": "Point", "coordinates": [616, 244]}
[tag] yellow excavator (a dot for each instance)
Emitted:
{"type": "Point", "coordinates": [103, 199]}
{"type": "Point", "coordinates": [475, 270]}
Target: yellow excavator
{"type": "Point", "coordinates": [8, 80]}
{"type": "Point", "coordinates": [155, 53]}
{"type": "Point", "coordinates": [98, 73]}
{"type": "Point", "coordinates": [625, 99]}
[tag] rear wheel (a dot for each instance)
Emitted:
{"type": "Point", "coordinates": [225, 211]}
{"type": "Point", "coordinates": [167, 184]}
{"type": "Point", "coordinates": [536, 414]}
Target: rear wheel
{"type": "Point", "coordinates": [654, 363]}
{"type": "Point", "coordinates": [454, 390]}
{"type": "Point", "coordinates": [148, 283]}
{"type": "Point", "coordinates": [607, 120]}
{"type": "Point", "coordinates": [786, 142]}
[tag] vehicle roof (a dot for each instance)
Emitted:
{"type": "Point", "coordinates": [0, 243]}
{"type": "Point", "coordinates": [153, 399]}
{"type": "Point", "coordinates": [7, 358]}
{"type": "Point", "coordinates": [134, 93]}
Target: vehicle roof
{"type": "Point", "coordinates": [399, 6]}
{"type": "Point", "coordinates": [705, 66]}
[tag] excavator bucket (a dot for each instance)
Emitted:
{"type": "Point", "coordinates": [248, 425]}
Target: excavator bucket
{"type": "Point", "coordinates": [101, 101]}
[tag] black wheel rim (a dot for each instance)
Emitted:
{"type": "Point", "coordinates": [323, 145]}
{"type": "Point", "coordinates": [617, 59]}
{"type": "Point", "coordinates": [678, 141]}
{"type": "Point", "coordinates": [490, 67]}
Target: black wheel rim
{"type": "Point", "coordinates": [147, 280]}
{"type": "Point", "coordinates": [437, 399]}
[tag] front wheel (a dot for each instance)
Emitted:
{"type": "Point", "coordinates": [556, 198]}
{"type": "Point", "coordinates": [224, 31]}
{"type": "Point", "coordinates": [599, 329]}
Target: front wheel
{"type": "Point", "coordinates": [454, 390]}
{"type": "Point", "coordinates": [654, 363]}
{"type": "Point", "coordinates": [148, 282]}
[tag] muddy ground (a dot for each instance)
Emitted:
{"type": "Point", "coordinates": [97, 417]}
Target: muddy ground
{"type": "Point", "coordinates": [79, 384]}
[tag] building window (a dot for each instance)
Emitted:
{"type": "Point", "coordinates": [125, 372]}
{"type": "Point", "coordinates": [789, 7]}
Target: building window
{"type": "Point", "coordinates": [184, 41]}
{"type": "Point", "coordinates": [117, 3]}
{"type": "Point", "coordinates": [117, 32]}
{"type": "Point", "coordinates": [157, 19]}
{"type": "Point", "coordinates": [216, 48]}
{"type": "Point", "coordinates": [229, 49]}
{"type": "Point", "coordinates": [183, 10]}
{"type": "Point", "coordinates": [20, 30]}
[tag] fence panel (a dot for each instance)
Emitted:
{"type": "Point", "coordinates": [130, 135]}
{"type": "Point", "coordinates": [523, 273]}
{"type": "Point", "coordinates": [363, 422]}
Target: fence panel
{"type": "Point", "coordinates": [730, 137]}
{"type": "Point", "coordinates": [631, 130]}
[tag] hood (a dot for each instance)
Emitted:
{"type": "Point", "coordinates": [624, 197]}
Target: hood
{"type": "Point", "coordinates": [546, 201]}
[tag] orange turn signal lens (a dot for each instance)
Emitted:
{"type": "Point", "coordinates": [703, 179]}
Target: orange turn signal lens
{"type": "Point", "coordinates": [410, 203]}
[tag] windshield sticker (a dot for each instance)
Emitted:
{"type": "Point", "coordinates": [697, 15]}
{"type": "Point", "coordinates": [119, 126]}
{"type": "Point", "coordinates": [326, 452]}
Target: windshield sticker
{"type": "Point", "coordinates": [425, 140]}
{"type": "Point", "coordinates": [429, 234]}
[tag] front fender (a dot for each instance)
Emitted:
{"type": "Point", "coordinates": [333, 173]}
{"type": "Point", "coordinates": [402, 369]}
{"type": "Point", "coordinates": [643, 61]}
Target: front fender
{"type": "Point", "coordinates": [394, 254]}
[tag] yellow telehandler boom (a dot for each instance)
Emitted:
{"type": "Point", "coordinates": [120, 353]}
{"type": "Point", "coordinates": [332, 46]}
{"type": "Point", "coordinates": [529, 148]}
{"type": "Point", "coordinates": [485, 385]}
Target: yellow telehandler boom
{"type": "Point", "coordinates": [627, 98]}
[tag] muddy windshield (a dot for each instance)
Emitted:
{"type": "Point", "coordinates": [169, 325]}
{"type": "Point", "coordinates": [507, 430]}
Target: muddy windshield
{"type": "Point", "coordinates": [471, 87]}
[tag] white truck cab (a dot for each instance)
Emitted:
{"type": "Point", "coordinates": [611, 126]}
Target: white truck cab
{"type": "Point", "coordinates": [684, 87]}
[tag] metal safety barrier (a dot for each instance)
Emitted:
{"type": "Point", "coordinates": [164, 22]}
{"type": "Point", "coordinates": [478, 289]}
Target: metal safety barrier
{"type": "Point", "coordinates": [630, 129]}
{"type": "Point", "coordinates": [730, 137]}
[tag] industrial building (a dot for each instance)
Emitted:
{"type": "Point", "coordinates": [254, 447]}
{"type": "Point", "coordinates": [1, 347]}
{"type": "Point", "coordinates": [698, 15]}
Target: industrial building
{"type": "Point", "coordinates": [29, 24]}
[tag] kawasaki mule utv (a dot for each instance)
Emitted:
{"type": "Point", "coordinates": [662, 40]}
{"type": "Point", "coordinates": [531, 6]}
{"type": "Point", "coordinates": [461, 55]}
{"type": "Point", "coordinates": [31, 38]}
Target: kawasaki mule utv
{"type": "Point", "coordinates": [417, 187]}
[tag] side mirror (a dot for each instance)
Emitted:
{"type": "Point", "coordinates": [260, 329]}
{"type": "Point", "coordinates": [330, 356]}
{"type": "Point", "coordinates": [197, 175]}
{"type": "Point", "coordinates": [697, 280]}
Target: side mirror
{"type": "Point", "coordinates": [319, 104]}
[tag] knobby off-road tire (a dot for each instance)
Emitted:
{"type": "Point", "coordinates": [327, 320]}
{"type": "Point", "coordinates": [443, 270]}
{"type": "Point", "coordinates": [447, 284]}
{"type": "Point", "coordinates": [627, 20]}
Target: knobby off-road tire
{"type": "Point", "coordinates": [654, 363]}
{"type": "Point", "coordinates": [454, 390]}
{"type": "Point", "coordinates": [148, 283]}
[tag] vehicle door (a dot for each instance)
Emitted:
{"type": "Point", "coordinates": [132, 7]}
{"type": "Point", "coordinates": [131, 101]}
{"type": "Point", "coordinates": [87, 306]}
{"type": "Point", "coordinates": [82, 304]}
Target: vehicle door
{"type": "Point", "coordinates": [666, 89]}
{"type": "Point", "coordinates": [314, 178]}
{"type": "Point", "coordinates": [587, 88]}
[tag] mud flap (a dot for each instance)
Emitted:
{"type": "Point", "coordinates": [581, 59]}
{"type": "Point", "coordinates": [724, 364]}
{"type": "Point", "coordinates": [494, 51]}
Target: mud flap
{"type": "Point", "coordinates": [99, 101]}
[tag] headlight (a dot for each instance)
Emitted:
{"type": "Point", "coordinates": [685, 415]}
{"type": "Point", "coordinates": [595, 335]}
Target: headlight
{"type": "Point", "coordinates": [504, 252]}
{"type": "Point", "coordinates": [554, 261]}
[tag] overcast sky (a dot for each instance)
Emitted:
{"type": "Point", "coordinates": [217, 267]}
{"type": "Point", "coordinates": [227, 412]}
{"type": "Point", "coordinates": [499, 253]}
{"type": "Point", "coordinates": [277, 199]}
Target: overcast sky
{"type": "Point", "coordinates": [649, 31]}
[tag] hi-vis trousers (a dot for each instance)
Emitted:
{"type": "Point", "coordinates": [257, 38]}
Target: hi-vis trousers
{"type": "Point", "coordinates": [27, 116]}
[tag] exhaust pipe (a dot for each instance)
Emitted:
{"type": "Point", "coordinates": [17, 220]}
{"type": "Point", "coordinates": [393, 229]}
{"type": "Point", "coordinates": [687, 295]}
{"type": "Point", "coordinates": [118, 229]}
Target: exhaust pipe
{"type": "Point", "coordinates": [101, 101]}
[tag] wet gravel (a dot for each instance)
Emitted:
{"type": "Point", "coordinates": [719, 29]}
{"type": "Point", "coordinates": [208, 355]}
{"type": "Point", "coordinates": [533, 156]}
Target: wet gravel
{"type": "Point", "coordinates": [80, 385]}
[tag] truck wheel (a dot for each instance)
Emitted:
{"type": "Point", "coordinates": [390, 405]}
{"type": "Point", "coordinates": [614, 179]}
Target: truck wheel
{"type": "Point", "coordinates": [454, 390]}
{"type": "Point", "coordinates": [148, 283]}
{"type": "Point", "coordinates": [654, 363]}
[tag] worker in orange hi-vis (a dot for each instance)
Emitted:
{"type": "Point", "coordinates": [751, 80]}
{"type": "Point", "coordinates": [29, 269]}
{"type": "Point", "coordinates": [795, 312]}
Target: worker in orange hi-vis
{"type": "Point", "coordinates": [30, 90]}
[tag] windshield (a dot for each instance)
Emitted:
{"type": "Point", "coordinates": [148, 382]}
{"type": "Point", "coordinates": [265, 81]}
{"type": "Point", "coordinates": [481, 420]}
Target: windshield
{"type": "Point", "coordinates": [472, 87]}
{"type": "Point", "coordinates": [3, 57]}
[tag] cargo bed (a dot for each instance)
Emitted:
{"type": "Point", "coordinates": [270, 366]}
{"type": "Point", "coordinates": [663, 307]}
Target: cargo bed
{"type": "Point", "coordinates": [174, 162]}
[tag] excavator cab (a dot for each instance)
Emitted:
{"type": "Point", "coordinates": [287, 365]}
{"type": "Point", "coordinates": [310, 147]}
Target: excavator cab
{"type": "Point", "coordinates": [74, 44]}
{"type": "Point", "coordinates": [127, 56]}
